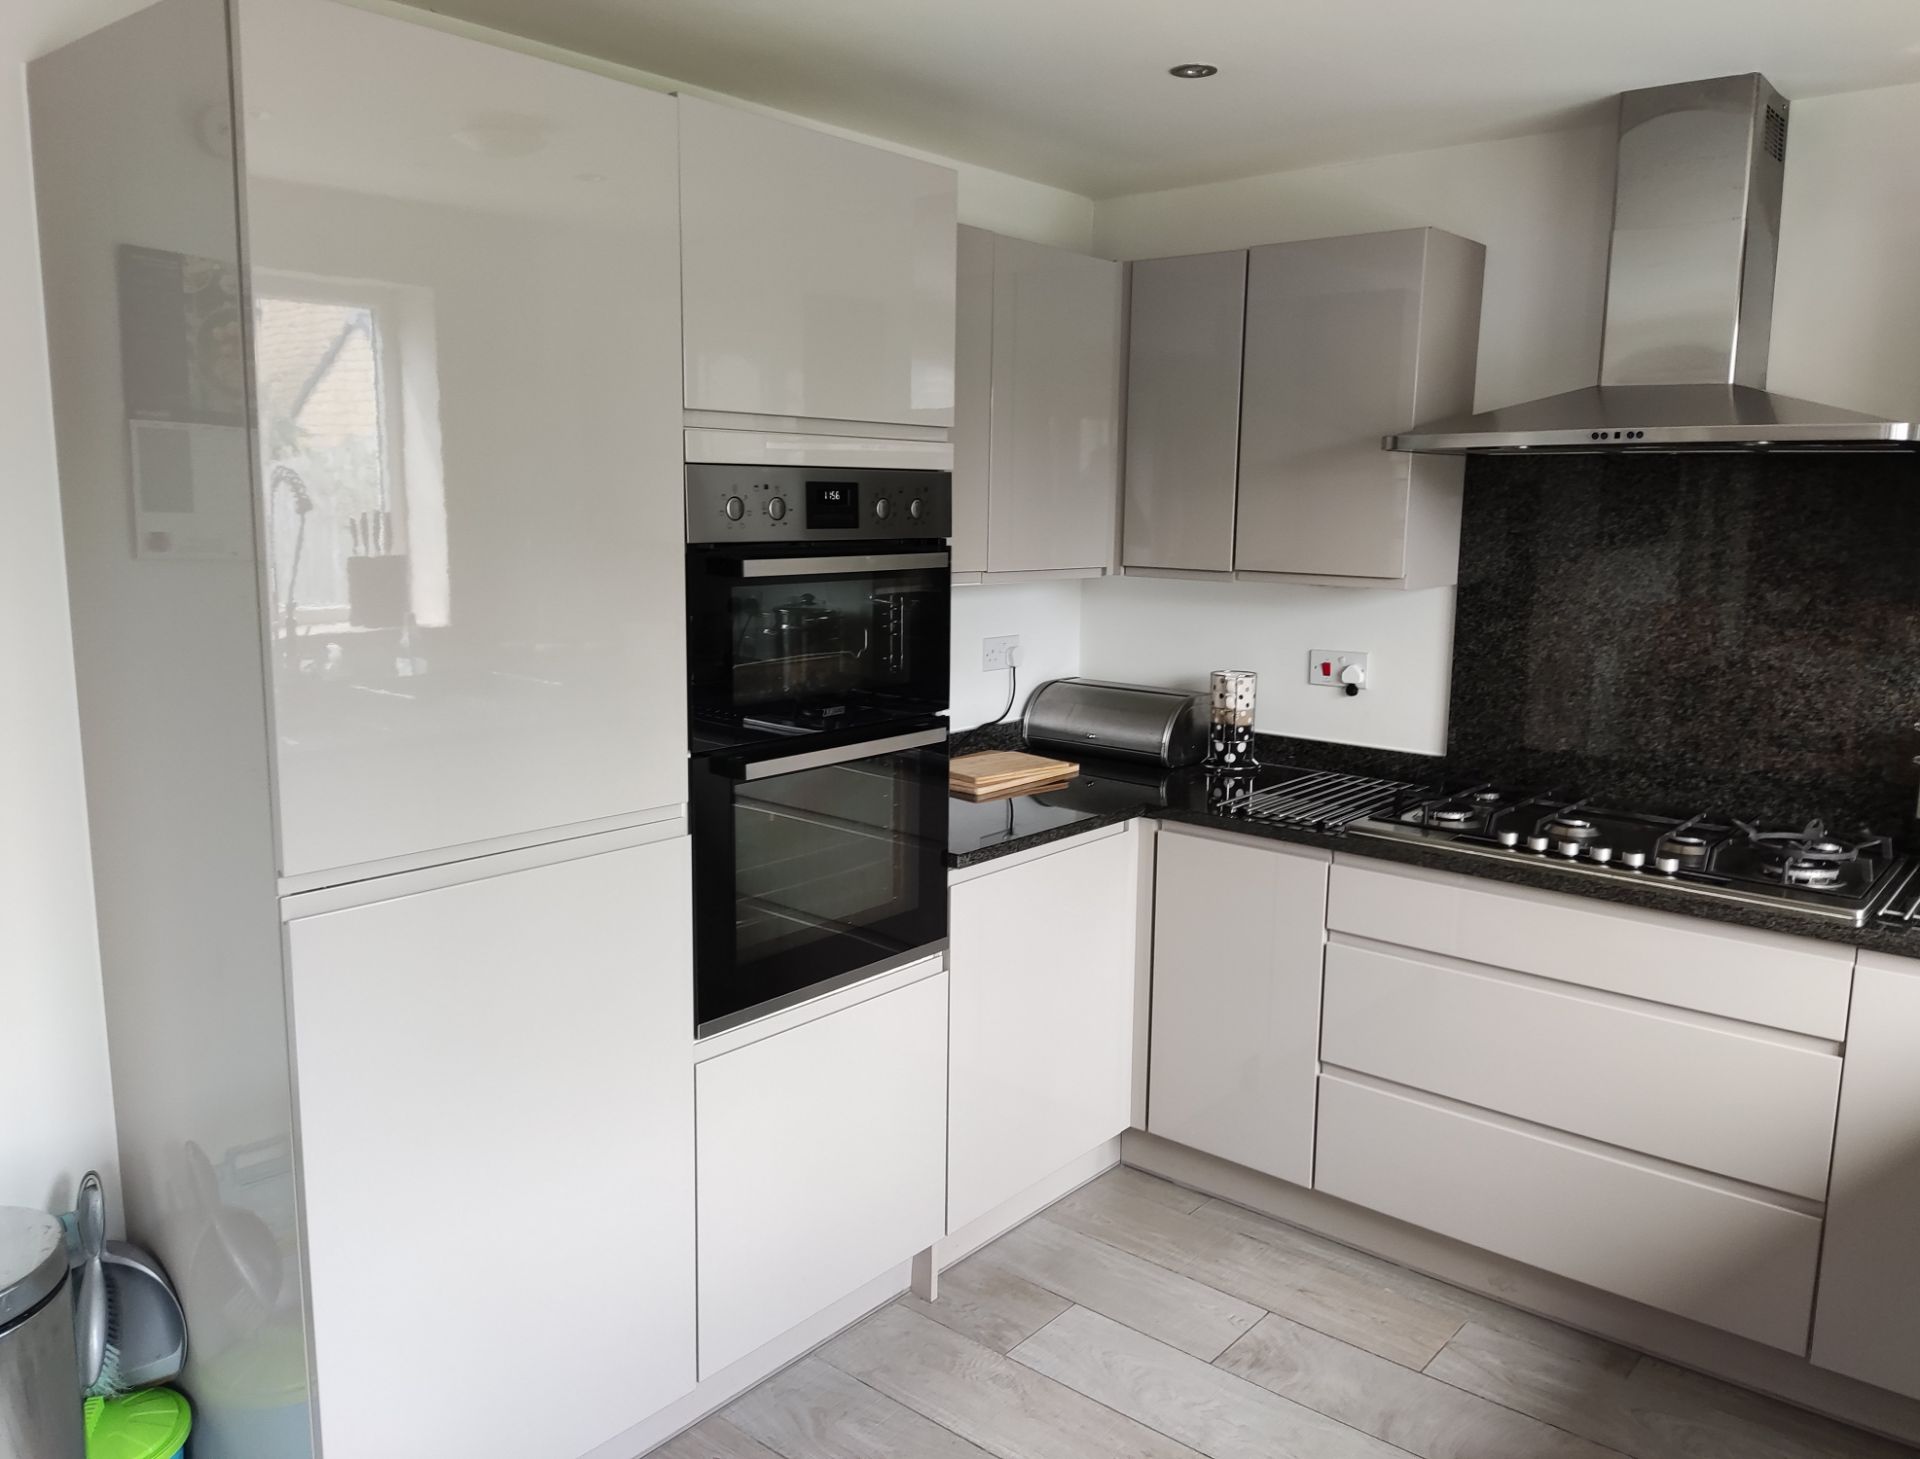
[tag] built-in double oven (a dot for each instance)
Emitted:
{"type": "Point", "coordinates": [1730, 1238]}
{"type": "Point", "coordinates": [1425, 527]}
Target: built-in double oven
{"type": "Point", "coordinates": [817, 645]}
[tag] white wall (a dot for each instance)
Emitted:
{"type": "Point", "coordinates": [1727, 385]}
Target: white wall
{"type": "Point", "coordinates": [1046, 615]}
{"type": "Point", "coordinates": [54, 1085]}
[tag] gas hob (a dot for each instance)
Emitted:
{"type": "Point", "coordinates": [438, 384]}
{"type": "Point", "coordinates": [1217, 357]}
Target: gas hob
{"type": "Point", "coordinates": [1800, 868]}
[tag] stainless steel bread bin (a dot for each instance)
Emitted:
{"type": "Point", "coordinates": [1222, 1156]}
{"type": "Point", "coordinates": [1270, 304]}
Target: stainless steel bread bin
{"type": "Point", "coordinates": [1127, 721]}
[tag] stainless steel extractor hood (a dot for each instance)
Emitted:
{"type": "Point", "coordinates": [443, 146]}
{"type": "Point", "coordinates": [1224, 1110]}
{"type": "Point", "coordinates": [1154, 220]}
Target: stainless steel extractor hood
{"type": "Point", "coordinates": [1683, 365]}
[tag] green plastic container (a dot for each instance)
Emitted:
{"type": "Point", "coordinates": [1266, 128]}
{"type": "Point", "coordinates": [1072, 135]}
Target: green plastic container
{"type": "Point", "coordinates": [152, 1424]}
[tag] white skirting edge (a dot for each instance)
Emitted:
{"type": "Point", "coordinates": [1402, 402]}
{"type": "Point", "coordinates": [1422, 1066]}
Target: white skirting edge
{"type": "Point", "coordinates": [729, 1383]}
{"type": "Point", "coordinates": [1645, 1329]}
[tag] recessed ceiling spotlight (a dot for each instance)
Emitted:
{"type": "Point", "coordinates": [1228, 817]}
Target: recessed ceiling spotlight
{"type": "Point", "coordinates": [1193, 71]}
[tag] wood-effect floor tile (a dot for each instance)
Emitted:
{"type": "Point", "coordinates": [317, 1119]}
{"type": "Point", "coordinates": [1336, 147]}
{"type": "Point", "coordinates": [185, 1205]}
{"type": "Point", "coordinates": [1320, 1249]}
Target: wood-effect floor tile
{"type": "Point", "coordinates": [1267, 1268]}
{"type": "Point", "coordinates": [812, 1410]}
{"type": "Point", "coordinates": [1409, 1410]}
{"type": "Point", "coordinates": [1003, 1406]}
{"type": "Point", "coordinates": [1129, 1181]}
{"type": "Point", "coordinates": [1217, 1412]}
{"type": "Point", "coordinates": [989, 1304]}
{"type": "Point", "coordinates": [714, 1438]}
{"type": "Point", "coordinates": [1141, 1294]}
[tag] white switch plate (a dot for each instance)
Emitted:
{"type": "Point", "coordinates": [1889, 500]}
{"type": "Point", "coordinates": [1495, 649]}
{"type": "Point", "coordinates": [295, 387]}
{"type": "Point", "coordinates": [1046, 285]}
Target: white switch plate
{"type": "Point", "coordinates": [999, 653]}
{"type": "Point", "coordinates": [1324, 666]}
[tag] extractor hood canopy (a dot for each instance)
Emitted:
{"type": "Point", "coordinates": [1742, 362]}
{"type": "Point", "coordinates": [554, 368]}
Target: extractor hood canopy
{"type": "Point", "coordinates": [1683, 364]}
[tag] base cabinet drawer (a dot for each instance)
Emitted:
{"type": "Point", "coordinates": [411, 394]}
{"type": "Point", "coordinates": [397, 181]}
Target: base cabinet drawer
{"type": "Point", "coordinates": [1768, 978]}
{"type": "Point", "coordinates": [1735, 1100]}
{"type": "Point", "coordinates": [1682, 1245]}
{"type": "Point", "coordinates": [821, 1163]}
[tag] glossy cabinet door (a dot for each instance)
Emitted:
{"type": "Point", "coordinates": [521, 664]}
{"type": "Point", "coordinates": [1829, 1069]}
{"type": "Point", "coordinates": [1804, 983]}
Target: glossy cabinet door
{"type": "Point", "coordinates": [1866, 1320]}
{"type": "Point", "coordinates": [973, 401]}
{"type": "Point", "coordinates": [1042, 1018]}
{"type": "Point", "coordinates": [496, 1116]}
{"type": "Point", "coordinates": [1347, 340]}
{"type": "Point", "coordinates": [821, 1161]}
{"type": "Point", "coordinates": [1238, 945]}
{"type": "Point", "coordinates": [819, 272]}
{"type": "Point", "coordinates": [1055, 454]}
{"type": "Point", "coordinates": [465, 344]}
{"type": "Point", "coordinates": [1184, 339]}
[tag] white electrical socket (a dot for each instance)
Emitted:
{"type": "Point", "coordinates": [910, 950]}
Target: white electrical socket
{"type": "Point", "coordinates": [1325, 665]}
{"type": "Point", "coordinates": [999, 653]}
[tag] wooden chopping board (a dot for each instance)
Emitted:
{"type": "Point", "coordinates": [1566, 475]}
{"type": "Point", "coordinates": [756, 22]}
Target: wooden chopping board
{"type": "Point", "coordinates": [1003, 772]}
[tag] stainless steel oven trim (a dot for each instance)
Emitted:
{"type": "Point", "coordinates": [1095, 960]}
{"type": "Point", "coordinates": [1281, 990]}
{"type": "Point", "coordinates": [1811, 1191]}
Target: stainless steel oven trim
{"type": "Point", "coordinates": [815, 564]}
{"type": "Point", "coordinates": [841, 754]}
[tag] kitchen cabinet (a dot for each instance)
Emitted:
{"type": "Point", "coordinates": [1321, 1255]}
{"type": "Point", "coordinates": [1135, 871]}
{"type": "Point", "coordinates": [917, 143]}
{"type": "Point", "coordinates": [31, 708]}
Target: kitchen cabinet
{"type": "Point", "coordinates": [1349, 339]}
{"type": "Point", "coordinates": [1867, 1321]}
{"type": "Point", "coordinates": [821, 1158]}
{"type": "Point", "coordinates": [1238, 940]}
{"type": "Point", "coordinates": [1036, 443]}
{"type": "Point", "coordinates": [1332, 343]}
{"type": "Point", "coordinates": [1042, 1017]}
{"type": "Point", "coordinates": [373, 551]}
{"type": "Point", "coordinates": [496, 1119]}
{"type": "Point", "coordinates": [817, 273]}
{"type": "Point", "coordinates": [1636, 1100]}
{"type": "Point", "coordinates": [1637, 1228]}
{"type": "Point", "coordinates": [1185, 333]}
{"type": "Point", "coordinates": [470, 452]}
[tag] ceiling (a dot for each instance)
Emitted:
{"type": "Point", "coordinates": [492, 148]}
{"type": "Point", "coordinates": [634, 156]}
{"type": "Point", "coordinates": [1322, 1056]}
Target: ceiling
{"type": "Point", "coordinates": [1076, 92]}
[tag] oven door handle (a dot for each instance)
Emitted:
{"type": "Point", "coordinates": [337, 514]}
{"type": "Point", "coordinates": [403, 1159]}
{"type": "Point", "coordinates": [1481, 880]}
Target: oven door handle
{"type": "Point", "coordinates": [804, 567]}
{"type": "Point", "coordinates": [839, 755]}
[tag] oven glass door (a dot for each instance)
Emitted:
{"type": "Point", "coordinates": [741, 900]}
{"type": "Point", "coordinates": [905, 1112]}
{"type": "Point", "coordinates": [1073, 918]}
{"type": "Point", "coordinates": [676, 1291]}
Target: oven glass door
{"type": "Point", "coordinates": [814, 867]}
{"type": "Point", "coordinates": [798, 638]}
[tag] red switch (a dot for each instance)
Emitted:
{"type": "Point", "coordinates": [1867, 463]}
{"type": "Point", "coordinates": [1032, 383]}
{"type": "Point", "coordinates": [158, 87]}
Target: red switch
{"type": "Point", "coordinates": [1326, 671]}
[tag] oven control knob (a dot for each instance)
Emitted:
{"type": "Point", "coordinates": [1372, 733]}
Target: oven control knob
{"type": "Point", "coordinates": [1538, 843]}
{"type": "Point", "coordinates": [1601, 854]}
{"type": "Point", "coordinates": [777, 508]}
{"type": "Point", "coordinates": [735, 509]}
{"type": "Point", "coordinates": [1568, 849]}
{"type": "Point", "coordinates": [1666, 865]}
{"type": "Point", "coordinates": [917, 508]}
{"type": "Point", "coordinates": [883, 509]}
{"type": "Point", "coordinates": [1633, 859]}
{"type": "Point", "coordinates": [1509, 838]}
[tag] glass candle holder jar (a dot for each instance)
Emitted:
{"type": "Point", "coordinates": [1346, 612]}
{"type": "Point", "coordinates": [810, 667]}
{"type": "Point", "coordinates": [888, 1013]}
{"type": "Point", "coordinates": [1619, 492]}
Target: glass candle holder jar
{"type": "Point", "coordinates": [1230, 718]}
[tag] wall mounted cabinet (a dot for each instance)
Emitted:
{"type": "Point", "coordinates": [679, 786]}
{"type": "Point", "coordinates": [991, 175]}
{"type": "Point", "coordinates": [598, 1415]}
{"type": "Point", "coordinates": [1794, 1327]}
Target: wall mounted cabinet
{"type": "Point", "coordinates": [818, 273]}
{"type": "Point", "coordinates": [1036, 442]}
{"type": "Point", "coordinates": [1344, 341]}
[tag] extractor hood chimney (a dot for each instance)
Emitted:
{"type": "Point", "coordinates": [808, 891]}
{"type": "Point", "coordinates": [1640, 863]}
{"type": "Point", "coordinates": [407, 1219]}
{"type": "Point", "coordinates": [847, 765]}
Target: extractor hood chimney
{"type": "Point", "coordinates": [1683, 361]}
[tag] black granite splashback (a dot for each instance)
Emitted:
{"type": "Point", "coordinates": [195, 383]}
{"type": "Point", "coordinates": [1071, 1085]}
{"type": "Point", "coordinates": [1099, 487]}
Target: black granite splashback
{"type": "Point", "coordinates": [1737, 634]}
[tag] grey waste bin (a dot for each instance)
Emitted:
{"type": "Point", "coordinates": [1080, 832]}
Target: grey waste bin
{"type": "Point", "coordinates": [40, 1401]}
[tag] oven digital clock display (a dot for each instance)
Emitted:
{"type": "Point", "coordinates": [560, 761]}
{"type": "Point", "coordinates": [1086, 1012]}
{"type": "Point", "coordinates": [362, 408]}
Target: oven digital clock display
{"type": "Point", "coordinates": [832, 504]}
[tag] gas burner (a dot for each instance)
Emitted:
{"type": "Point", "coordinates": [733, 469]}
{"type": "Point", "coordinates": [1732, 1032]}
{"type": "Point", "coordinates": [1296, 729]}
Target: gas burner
{"type": "Point", "coordinates": [1572, 828]}
{"type": "Point", "coordinates": [1453, 815]}
{"type": "Point", "coordinates": [1687, 848]}
{"type": "Point", "coordinates": [1487, 797]}
{"type": "Point", "coordinates": [1797, 871]}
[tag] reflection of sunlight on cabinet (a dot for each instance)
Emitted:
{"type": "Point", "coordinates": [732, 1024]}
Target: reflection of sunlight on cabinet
{"type": "Point", "coordinates": [354, 496]}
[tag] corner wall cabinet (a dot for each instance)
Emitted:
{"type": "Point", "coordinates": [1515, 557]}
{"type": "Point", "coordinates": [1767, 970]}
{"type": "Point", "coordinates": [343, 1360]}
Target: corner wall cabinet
{"type": "Point", "coordinates": [1342, 341]}
{"type": "Point", "coordinates": [1037, 440]}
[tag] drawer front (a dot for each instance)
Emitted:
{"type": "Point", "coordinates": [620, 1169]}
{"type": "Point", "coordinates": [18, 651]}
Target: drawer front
{"type": "Point", "coordinates": [1757, 977]}
{"type": "Point", "coordinates": [1755, 1107]}
{"type": "Point", "coordinates": [1684, 1246]}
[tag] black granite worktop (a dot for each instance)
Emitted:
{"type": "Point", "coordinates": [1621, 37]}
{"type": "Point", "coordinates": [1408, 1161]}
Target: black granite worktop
{"type": "Point", "coordinates": [1108, 793]}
